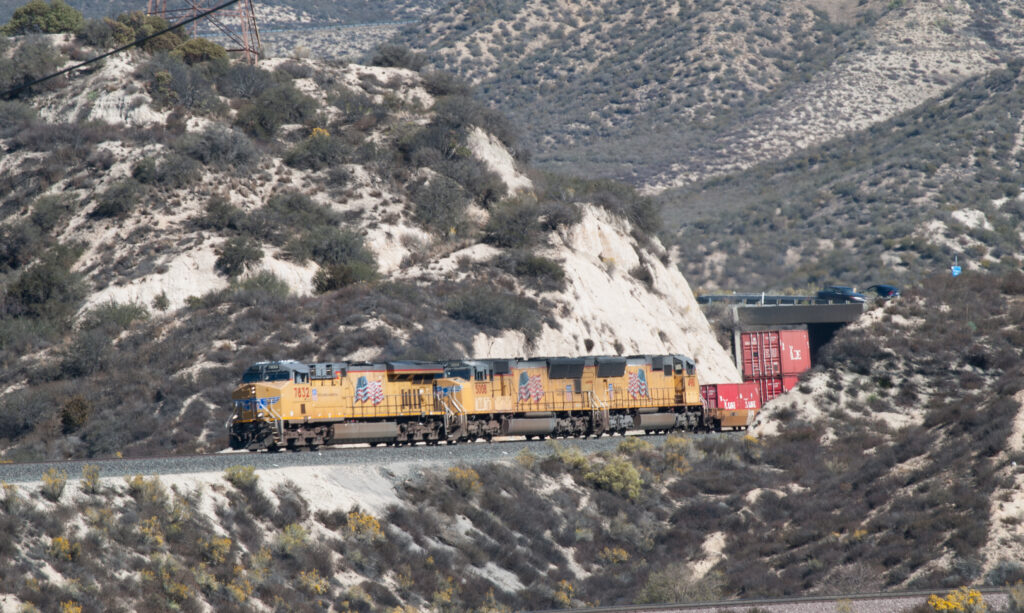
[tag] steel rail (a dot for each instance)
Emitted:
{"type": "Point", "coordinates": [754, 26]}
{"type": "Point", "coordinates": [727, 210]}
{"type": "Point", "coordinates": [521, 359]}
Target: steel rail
{"type": "Point", "coordinates": [764, 602]}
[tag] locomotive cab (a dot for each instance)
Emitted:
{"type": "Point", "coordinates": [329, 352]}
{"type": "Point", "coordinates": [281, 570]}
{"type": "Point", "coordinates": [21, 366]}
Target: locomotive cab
{"type": "Point", "coordinates": [258, 400]}
{"type": "Point", "coordinates": [683, 371]}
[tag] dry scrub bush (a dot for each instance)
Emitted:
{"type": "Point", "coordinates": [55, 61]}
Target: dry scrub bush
{"type": "Point", "coordinates": [54, 481]}
{"type": "Point", "coordinates": [242, 477]}
{"type": "Point", "coordinates": [90, 479]}
{"type": "Point", "coordinates": [464, 480]}
{"type": "Point", "coordinates": [617, 475]}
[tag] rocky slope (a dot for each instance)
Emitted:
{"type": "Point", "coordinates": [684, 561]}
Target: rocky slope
{"type": "Point", "coordinates": [718, 85]}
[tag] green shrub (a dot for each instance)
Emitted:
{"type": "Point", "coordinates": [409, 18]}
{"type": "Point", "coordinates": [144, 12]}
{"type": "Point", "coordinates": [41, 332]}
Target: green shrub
{"type": "Point", "coordinates": [337, 276]}
{"type": "Point", "coordinates": [292, 540]}
{"type": "Point", "coordinates": [336, 246]}
{"type": "Point", "coordinates": [617, 475]}
{"type": "Point", "coordinates": [219, 146]}
{"type": "Point", "coordinates": [319, 150]}
{"type": "Point", "coordinates": [544, 273]}
{"type": "Point", "coordinates": [513, 224]}
{"type": "Point", "coordinates": [75, 413]}
{"type": "Point", "coordinates": [141, 25]}
{"type": "Point", "coordinates": [20, 243]}
{"type": "Point", "coordinates": [37, 17]}
{"type": "Point", "coordinates": [221, 215]}
{"type": "Point", "coordinates": [87, 354]}
{"type": "Point", "coordinates": [353, 104]}
{"type": "Point", "coordinates": [441, 206]}
{"type": "Point", "coordinates": [676, 583]}
{"type": "Point", "coordinates": [282, 104]}
{"type": "Point", "coordinates": [482, 183]}
{"type": "Point", "coordinates": [49, 211]}
{"type": "Point", "coordinates": [48, 289]}
{"type": "Point", "coordinates": [495, 309]}
{"type": "Point", "coordinates": [171, 82]}
{"type": "Point", "coordinates": [172, 171]}
{"type": "Point", "coordinates": [197, 50]}
{"type": "Point", "coordinates": [262, 288]}
{"type": "Point", "coordinates": [119, 199]}
{"type": "Point", "coordinates": [292, 209]}
{"type": "Point", "coordinates": [105, 33]}
{"type": "Point", "coordinates": [114, 317]}
{"type": "Point", "coordinates": [34, 58]}
{"type": "Point", "coordinates": [242, 80]}
{"type": "Point", "coordinates": [236, 255]}
{"type": "Point", "coordinates": [14, 115]}
{"type": "Point", "coordinates": [397, 56]}
{"type": "Point", "coordinates": [444, 83]}
{"type": "Point", "coordinates": [556, 215]}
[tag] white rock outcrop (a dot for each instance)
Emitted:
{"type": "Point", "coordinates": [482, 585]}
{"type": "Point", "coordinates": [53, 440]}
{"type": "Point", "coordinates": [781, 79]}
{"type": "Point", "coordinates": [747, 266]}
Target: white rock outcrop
{"type": "Point", "coordinates": [605, 304]}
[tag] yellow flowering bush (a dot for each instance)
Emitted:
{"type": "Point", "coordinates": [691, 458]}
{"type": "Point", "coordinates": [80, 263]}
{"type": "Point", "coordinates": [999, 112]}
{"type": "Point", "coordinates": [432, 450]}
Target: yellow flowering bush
{"type": "Point", "coordinates": [466, 481]}
{"type": "Point", "coordinates": [364, 526]}
{"type": "Point", "coordinates": [91, 479]}
{"type": "Point", "coordinates": [54, 481]}
{"type": "Point", "coordinates": [564, 593]}
{"type": "Point", "coordinates": [64, 549]}
{"type": "Point", "coordinates": [963, 599]}
{"type": "Point", "coordinates": [292, 539]}
{"type": "Point", "coordinates": [242, 477]}
{"type": "Point", "coordinates": [216, 549]}
{"type": "Point", "coordinates": [613, 555]}
{"type": "Point", "coordinates": [312, 582]}
{"type": "Point", "coordinates": [151, 531]}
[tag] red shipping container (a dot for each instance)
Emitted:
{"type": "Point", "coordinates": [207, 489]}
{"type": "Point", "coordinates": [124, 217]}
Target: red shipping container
{"type": "Point", "coordinates": [731, 396]}
{"type": "Point", "coordinates": [770, 388]}
{"type": "Point", "coordinates": [774, 353]}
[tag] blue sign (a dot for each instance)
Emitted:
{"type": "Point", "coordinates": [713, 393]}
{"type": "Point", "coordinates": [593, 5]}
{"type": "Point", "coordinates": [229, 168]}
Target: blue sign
{"type": "Point", "coordinates": [956, 270]}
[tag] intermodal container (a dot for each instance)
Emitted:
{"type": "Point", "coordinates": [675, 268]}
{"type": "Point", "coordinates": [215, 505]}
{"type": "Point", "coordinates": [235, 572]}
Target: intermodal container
{"type": "Point", "coordinates": [731, 396]}
{"type": "Point", "coordinates": [770, 388]}
{"type": "Point", "coordinates": [774, 353]}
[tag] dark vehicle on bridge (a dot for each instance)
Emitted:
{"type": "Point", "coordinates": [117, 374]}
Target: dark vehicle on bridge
{"type": "Point", "coordinates": [840, 293]}
{"type": "Point", "coordinates": [885, 292]}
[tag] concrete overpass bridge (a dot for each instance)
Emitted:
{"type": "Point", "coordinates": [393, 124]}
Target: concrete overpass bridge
{"type": "Point", "coordinates": [755, 312]}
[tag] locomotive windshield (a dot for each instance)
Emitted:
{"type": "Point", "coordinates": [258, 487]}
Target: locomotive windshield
{"type": "Point", "coordinates": [460, 373]}
{"type": "Point", "coordinates": [266, 372]}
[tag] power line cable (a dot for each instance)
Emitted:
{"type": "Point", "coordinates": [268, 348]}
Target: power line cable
{"type": "Point", "coordinates": [8, 93]}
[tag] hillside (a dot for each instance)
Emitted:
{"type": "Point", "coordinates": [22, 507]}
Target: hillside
{"type": "Point", "coordinates": [167, 222]}
{"type": "Point", "coordinates": [894, 202]}
{"type": "Point", "coordinates": [896, 464]}
{"type": "Point", "coordinates": [666, 93]}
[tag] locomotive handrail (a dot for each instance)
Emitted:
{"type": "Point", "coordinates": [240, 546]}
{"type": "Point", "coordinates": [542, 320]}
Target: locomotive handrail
{"type": "Point", "coordinates": [278, 421]}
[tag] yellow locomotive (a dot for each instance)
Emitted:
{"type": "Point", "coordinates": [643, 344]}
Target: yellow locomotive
{"type": "Point", "coordinates": [288, 404]}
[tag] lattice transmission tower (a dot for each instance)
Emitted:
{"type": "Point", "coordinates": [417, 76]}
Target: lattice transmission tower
{"type": "Point", "coordinates": [237, 22]}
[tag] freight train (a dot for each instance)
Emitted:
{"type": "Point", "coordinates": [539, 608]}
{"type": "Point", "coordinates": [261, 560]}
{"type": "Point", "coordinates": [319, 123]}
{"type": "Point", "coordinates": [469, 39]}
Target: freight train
{"type": "Point", "coordinates": [294, 405]}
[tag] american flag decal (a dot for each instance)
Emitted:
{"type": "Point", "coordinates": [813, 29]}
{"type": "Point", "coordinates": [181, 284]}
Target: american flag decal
{"type": "Point", "coordinates": [369, 391]}
{"type": "Point", "coordinates": [637, 386]}
{"type": "Point", "coordinates": [530, 388]}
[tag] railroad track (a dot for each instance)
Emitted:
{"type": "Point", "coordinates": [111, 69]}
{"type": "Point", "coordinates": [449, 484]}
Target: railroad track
{"type": "Point", "coordinates": [469, 453]}
{"type": "Point", "coordinates": [879, 602]}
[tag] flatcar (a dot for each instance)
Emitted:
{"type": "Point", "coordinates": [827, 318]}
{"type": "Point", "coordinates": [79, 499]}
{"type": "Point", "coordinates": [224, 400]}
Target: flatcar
{"type": "Point", "coordinates": [289, 404]}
